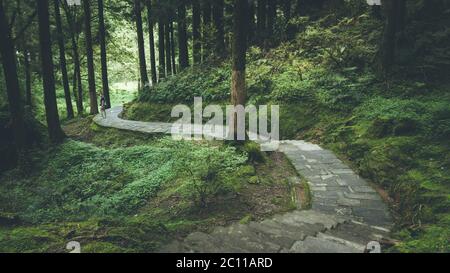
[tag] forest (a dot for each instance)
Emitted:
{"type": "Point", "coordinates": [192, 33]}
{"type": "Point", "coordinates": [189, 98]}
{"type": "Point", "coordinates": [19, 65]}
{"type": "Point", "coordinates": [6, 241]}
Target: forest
{"type": "Point", "coordinates": [87, 92]}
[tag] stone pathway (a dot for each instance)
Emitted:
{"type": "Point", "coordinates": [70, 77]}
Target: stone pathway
{"type": "Point", "coordinates": [346, 212]}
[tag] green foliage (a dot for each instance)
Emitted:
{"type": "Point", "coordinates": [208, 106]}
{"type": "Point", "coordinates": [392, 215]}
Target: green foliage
{"type": "Point", "coordinates": [254, 152]}
{"type": "Point", "coordinates": [406, 116]}
{"type": "Point", "coordinates": [79, 180]}
{"type": "Point", "coordinates": [208, 170]}
{"type": "Point", "coordinates": [211, 83]}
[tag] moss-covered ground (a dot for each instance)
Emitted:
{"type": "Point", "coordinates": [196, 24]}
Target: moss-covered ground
{"type": "Point", "coordinates": [116, 191]}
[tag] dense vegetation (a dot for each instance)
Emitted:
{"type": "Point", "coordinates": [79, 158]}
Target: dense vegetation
{"type": "Point", "coordinates": [369, 82]}
{"type": "Point", "coordinates": [393, 130]}
{"type": "Point", "coordinates": [126, 192]}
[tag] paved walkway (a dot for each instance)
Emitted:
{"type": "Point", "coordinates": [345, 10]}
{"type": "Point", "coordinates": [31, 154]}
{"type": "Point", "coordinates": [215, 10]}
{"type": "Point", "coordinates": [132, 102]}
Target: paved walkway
{"type": "Point", "coordinates": [346, 212]}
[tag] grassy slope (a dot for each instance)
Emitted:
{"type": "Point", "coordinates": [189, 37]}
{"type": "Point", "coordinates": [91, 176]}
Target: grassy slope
{"type": "Point", "coordinates": [125, 192]}
{"type": "Point", "coordinates": [393, 132]}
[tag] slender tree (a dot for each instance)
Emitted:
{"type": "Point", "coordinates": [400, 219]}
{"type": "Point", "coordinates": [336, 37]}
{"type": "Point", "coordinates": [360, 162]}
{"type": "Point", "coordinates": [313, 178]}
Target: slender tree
{"type": "Point", "coordinates": [393, 9]}
{"type": "Point", "coordinates": [168, 48]}
{"type": "Point", "coordinates": [22, 46]}
{"type": "Point", "coordinates": [27, 66]}
{"type": "Point", "coordinates": [62, 59]}
{"type": "Point", "coordinates": [141, 45]}
{"type": "Point", "coordinates": [54, 128]}
{"type": "Point", "coordinates": [104, 62]}
{"type": "Point", "coordinates": [152, 41]}
{"type": "Point", "coordinates": [271, 16]}
{"type": "Point", "coordinates": [172, 48]}
{"type": "Point", "coordinates": [183, 54]}
{"type": "Point", "coordinates": [238, 85]}
{"type": "Point", "coordinates": [207, 27]}
{"type": "Point", "coordinates": [196, 35]}
{"type": "Point", "coordinates": [90, 58]}
{"type": "Point", "coordinates": [261, 18]}
{"type": "Point", "coordinates": [219, 32]}
{"type": "Point", "coordinates": [76, 60]}
{"type": "Point", "coordinates": [12, 82]}
{"type": "Point", "coordinates": [251, 21]}
{"type": "Point", "coordinates": [161, 47]}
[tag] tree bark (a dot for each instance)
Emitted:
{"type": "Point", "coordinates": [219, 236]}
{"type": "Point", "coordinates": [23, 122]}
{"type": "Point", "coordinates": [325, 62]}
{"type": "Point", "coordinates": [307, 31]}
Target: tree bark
{"type": "Point", "coordinates": [389, 36]}
{"type": "Point", "coordinates": [12, 82]}
{"type": "Point", "coordinates": [261, 18]}
{"type": "Point", "coordinates": [28, 79]}
{"type": "Point", "coordinates": [271, 16]}
{"type": "Point", "coordinates": [54, 128]}
{"type": "Point", "coordinates": [251, 21]}
{"type": "Point", "coordinates": [238, 85]}
{"type": "Point", "coordinates": [62, 60]}
{"type": "Point", "coordinates": [162, 48]}
{"type": "Point", "coordinates": [152, 42]}
{"type": "Point", "coordinates": [207, 27]}
{"type": "Point", "coordinates": [90, 58]}
{"type": "Point", "coordinates": [219, 32]}
{"type": "Point", "coordinates": [76, 59]}
{"type": "Point", "coordinates": [196, 36]}
{"type": "Point", "coordinates": [168, 49]}
{"type": "Point", "coordinates": [183, 54]}
{"type": "Point", "coordinates": [104, 60]}
{"type": "Point", "coordinates": [172, 48]}
{"type": "Point", "coordinates": [141, 45]}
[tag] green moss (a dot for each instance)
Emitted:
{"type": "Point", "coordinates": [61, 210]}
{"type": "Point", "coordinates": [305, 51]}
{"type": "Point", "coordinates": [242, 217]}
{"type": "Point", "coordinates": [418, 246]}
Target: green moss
{"type": "Point", "coordinates": [102, 247]}
{"type": "Point", "coordinates": [432, 239]}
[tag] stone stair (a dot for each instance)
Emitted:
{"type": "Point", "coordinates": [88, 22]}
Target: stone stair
{"type": "Point", "coordinates": [347, 213]}
{"type": "Point", "coordinates": [306, 231]}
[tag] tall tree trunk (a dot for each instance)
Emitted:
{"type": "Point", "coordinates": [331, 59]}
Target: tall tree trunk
{"type": "Point", "coordinates": [183, 54]}
{"type": "Point", "coordinates": [172, 48]}
{"type": "Point", "coordinates": [196, 36]}
{"type": "Point", "coordinates": [168, 49]}
{"type": "Point", "coordinates": [76, 60]}
{"type": "Point", "coordinates": [251, 21]}
{"type": "Point", "coordinates": [238, 85]}
{"type": "Point", "coordinates": [90, 58]}
{"type": "Point", "coordinates": [287, 9]}
{"type": "Point", "coordinates": [152, 42]}
{"type": "Point", "coordinates": [62, 60]}
{"type": "Point", "coordinates": [299, 7]}
{"type": "Point", "coordinates": [161, 48]}
{"type": "Point", "coordinates": [27, 65]}
{"type": "Point", "coordinates": [261, 18]}
{"type": "Point", "coordinates": [218, 6]}
{"type": "Point", "coordinates": [12, 82]}
{"type": "Point", "coordinates": [271, 16]}
{"type": "Point", "coordinates": [54, 128]}
{"type": "Point", "coordinates": [141, 45]}
{"type": "Point", "coordinates": [104, 61]}
{"type": "Point", "coordinates": [389, 37]}
{"type": "Point", "coordinates": [207, 27]}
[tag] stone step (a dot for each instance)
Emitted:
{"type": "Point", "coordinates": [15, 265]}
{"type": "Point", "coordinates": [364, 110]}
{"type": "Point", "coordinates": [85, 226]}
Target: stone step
{"type": "Point", "coordinates": [282, 234]}
{"type": "Point", "coordinates": [359, 232]}
{"type": "Point", "coordinates": [240, 238]}
{"type": "Point", "coordinates": [325, 244]}
{"type": "Point", "coordinates": [311, 217]}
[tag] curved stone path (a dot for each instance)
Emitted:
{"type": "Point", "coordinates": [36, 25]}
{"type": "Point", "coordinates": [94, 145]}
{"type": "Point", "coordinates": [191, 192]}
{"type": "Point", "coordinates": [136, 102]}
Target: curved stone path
{"type": "Point", "coordinates": [346, 212]}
